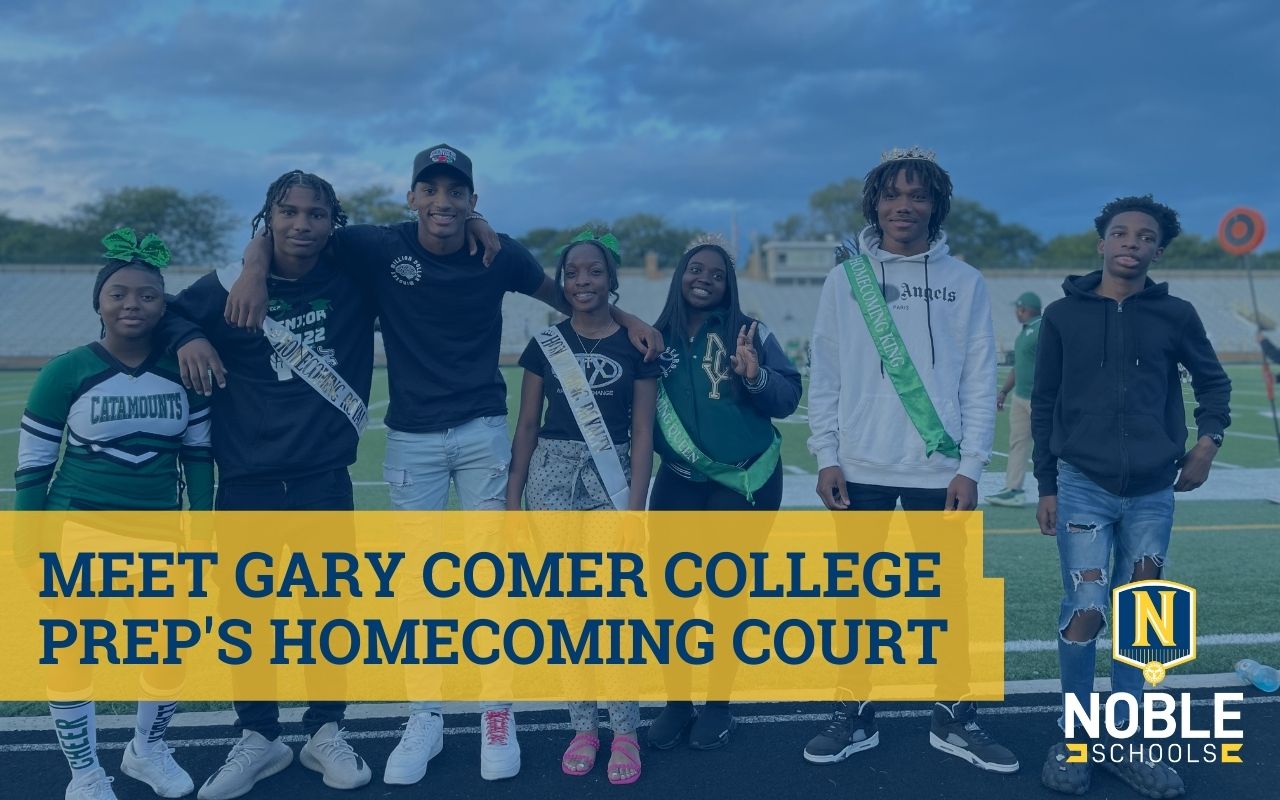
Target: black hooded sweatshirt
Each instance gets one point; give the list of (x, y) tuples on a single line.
[(1108, 397)]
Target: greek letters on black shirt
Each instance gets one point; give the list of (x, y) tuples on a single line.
[(612, 368)]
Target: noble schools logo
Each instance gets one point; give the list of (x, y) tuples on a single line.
[(406, 271), (1153, 628)]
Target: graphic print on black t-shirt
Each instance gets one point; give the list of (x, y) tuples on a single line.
[(612, 365)]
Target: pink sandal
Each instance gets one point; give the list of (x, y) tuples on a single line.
[(625, 755), (582, 748)]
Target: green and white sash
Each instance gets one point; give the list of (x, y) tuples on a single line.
[(311, 367), (586, 412), (897, 361), (745, 482)]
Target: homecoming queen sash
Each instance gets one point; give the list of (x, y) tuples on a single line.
[(586, 412), (745, 482), (897, 361)]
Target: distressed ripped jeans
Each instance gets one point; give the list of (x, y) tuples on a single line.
[(1104, 540), (475, 455)]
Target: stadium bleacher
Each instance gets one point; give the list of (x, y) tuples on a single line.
[(46, 308)]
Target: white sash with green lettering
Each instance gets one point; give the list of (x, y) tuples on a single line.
[(586, 412)]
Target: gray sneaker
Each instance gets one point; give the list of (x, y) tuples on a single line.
[(852, 729), (251, 759), (1063, 776), (328, 753), (1148, 778), (955, 730), (1009, 498)]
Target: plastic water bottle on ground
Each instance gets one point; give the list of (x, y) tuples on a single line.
[(1260, 675)]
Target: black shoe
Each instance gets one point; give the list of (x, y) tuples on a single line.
[(852, 729), (713, 727), (955, 731), (666, 731), (1064, 776)]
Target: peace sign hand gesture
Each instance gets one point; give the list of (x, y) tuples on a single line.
[(745, 361)]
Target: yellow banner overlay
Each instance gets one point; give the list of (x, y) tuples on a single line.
[(498, 606)]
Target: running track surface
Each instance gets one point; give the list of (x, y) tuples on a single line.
[(763, 760)]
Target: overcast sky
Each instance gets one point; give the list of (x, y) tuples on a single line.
[(1041, 110)]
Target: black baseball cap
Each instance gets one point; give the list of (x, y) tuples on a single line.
[(442, 155)]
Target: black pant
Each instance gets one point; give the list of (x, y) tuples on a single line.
[(873, 497), (322, 491), (672, 492)]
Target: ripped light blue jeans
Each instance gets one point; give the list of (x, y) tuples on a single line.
[(1103, 539)]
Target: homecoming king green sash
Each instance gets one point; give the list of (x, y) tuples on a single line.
[(897, 361), (743, 481)]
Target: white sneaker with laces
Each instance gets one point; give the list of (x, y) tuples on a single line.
[(94, 785), (422, 740), (155, 767), (499, 749), (328, 753), (251, 759)]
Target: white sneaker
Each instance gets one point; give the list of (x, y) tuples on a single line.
[(499, 750), (422, 740), (156, 768), (94, 785), (328, 753), (251, 759)]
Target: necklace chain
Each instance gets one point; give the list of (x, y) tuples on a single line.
[(586, 350)]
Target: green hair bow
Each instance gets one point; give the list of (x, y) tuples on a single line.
[(122, 245), (608, 241)]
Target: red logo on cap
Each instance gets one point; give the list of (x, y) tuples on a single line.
[(442, 155)]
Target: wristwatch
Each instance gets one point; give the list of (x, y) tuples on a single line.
[(1216, 438)]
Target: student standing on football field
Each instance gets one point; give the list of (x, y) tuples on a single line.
[(585, 371), (724, 379), (917, 429), (440, 308), (288, 422), (1110, 430), (134, 437), (1017, 392)]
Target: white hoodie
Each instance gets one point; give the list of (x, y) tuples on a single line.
[(858, 421)]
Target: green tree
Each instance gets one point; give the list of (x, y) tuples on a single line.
[(640, 233), (374, 205), (836, 210), (976, 234), (1075, 253), (194, 226), (26, 242)]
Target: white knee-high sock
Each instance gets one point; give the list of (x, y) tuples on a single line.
[(77, 734), (153, 721)]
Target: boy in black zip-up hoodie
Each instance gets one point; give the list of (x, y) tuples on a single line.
[(1109, 431)]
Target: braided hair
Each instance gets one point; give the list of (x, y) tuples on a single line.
[(280, 187), (934, 178)]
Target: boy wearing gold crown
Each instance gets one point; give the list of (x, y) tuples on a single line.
[(906, 415)]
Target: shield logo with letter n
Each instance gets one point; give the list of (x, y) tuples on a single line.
[(1153, 626)]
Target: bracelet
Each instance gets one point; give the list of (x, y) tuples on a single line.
[(473, 215)]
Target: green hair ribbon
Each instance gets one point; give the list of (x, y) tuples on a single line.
[(607, 241), (122, 245)]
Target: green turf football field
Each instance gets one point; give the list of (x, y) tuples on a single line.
[(1226, 549)]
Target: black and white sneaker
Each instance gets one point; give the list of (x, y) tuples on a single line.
[(1064, 776), (955, 731), (852, 729)]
